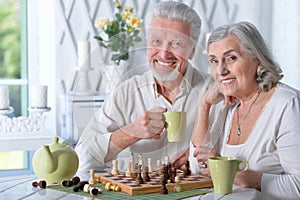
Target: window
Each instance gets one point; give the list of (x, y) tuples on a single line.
[(13, 73)]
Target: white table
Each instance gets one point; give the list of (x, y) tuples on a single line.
[(20, 187)]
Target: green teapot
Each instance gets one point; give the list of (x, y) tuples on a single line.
[(55, 163)]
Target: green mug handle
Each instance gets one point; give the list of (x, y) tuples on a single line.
[(239, 169)]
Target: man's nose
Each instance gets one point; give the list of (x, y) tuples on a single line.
[(165, 50)]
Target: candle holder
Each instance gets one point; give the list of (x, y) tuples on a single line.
[(81, 83), (6, 111)]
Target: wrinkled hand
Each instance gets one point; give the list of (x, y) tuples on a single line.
[(150, 125), (248, 179), (202, 154), (180, 158), (214, 95)]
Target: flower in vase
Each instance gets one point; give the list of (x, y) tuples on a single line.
[(121, 33)]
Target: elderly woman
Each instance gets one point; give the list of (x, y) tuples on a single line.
[(260, 121)]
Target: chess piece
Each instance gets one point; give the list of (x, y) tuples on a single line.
[(141, 160), (89, 189), (66, 183), (187, 171), (92, 180), (163, 189), (146, 177), (41, 184), (172, 174), (80, 186), (139, 179), (177, 187), (75, 180), (115, 170), (158, 164), (128, 172), (110, 187), (167, 159), (150, 165)]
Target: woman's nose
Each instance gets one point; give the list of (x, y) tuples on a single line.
[(223, 69)]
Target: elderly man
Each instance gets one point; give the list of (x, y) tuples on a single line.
[(131, 119)]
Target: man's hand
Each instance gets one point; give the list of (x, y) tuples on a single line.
[(150, 125), (180, 158)]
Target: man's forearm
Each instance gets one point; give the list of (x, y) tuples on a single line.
[(119, 141)]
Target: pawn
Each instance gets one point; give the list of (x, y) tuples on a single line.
[(80, 186), (187, 171), (75, 180), (110, 187), (128, 172), (89, 189), (66, 183), (146, 177), (115, 170), (92, 180), (41, 184), (177, 187)]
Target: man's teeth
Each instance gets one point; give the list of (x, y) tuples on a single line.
[(228, 80), (165, 64)]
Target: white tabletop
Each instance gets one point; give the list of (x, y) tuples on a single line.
[(20, 187)]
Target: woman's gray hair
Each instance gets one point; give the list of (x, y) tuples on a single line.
[(269, 72), (179, 12)]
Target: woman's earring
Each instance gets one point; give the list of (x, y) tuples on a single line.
[(259, 79)]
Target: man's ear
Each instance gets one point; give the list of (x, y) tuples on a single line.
[(192, 53)]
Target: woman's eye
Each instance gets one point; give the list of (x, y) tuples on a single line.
[(213, 61), (230, 59)]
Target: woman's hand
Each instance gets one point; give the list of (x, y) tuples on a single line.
[(214, 95), (248, 179), (202, 154)]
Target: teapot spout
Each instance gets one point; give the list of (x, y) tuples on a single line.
[(50, 161)]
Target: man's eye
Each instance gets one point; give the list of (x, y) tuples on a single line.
[(177, 44), (156, 42)]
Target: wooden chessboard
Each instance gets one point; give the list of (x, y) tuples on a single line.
[(129, 186)]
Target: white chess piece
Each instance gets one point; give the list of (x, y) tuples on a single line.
[(150, 165), (177, 187), (115, 170), (128, 172)]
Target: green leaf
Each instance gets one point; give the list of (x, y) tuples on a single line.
[(118, 17)]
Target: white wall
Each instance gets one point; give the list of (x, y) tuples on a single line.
[(60, 24)]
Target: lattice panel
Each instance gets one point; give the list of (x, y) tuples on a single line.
[(75, 22)]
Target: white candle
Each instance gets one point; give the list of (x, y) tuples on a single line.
[(83, 55), (39, 96), (4, 97)]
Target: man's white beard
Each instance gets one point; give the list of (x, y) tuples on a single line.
[(166, 77)]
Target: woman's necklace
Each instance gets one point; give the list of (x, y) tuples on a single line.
[(238, 114)]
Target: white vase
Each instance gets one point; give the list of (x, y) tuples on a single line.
[(112, 75)]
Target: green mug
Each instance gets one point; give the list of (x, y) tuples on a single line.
[(175, 125), (223, 170)]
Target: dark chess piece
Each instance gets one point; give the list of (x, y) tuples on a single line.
[(173, 174), (139, 179), (41, 184), (163, 181), (146, 177), (187, 171), (75, 180)]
